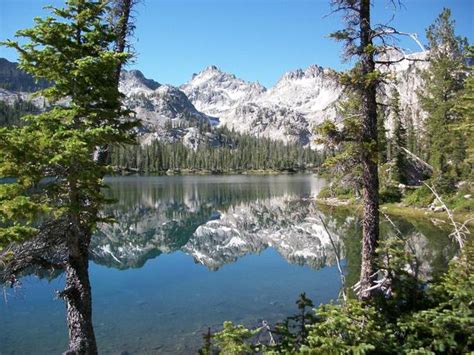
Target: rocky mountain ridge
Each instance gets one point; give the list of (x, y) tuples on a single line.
[(289, 111)]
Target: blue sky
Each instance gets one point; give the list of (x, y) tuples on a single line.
[(258, 40)]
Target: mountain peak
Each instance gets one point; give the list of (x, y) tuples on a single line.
[(212, 68), (133, 81), (312, 71)]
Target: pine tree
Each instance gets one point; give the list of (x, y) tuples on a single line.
[(384, 145), (443, 84), (464, 107), (399, 140), (412, 145), (358, 38), (73, 50)]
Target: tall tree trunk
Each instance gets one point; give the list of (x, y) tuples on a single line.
[(121, 10), (370, 177)]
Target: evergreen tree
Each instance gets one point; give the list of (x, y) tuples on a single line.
[(72, 49), (412, 145), (236, 153), (345, 163), (399, 140), (384, 145), (358, 37), (443, 84), (464, 107), (10, 114)]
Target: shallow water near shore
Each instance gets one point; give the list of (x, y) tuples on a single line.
[(189, 252)]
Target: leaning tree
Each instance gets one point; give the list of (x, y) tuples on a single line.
[(53, 196)]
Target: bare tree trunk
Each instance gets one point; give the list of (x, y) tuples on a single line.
[(121, 10), (370, 178)]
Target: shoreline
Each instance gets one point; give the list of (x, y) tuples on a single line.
[(395, 209), (200, 172)]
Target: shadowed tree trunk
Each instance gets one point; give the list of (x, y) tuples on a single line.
[(78, 298), (370, 178), (77, 292), (371, 46)]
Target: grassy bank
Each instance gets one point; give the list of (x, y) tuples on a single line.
[(395, 209)]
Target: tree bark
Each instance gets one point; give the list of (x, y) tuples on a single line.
[(370, 178), (78, 297), (77, 292)]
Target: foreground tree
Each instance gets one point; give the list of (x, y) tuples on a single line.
[(75, 50), (363, 79)]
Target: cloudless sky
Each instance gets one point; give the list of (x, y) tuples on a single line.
[(258, 40)]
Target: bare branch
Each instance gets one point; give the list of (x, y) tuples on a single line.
[(338, 261), (384, 30), (459, 232)]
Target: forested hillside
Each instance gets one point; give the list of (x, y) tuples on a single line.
[(235, 153)]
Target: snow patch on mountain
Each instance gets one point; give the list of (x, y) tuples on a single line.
[(289, 111), (215, 92)]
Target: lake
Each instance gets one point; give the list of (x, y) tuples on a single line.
[(189, 252)]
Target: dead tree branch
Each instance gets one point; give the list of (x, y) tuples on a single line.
[(460, 230), (338, 261)]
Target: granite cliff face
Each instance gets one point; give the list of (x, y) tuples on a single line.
[(289, 111)]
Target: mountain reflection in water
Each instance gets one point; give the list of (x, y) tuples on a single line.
[(218, 219), (186, 253)]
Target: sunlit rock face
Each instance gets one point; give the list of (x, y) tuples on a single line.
[(165, 111), (288, 111), (300, 100), (216, 92), (405, 77)]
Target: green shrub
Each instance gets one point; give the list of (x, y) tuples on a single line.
[(390, 194), (352, 328), (448, 327), (234, 339), (420, 197), (444, 184), (326, 192), (435, 319), (341, 192), (344, 192), (458, 203)]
